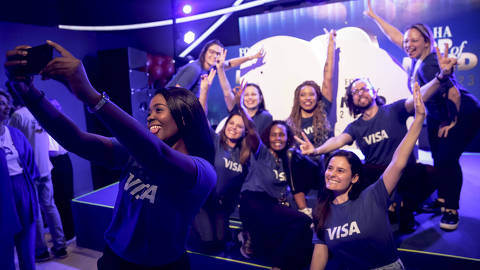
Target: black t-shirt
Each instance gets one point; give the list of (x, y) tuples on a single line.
[(437, 103), (262, 120), (307, 124), (378, 137)]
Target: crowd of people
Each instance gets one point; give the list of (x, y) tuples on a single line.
[(181, 180)]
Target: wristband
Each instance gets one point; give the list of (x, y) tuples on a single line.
[(105, 98), (307, 211), (442, 80)]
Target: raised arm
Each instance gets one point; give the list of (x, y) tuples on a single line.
[(446, 65), (319, 257), (205, 83), (224, 83), (327, 85), (235, 62), (392, 33), (147, 149), (330, 145), (90, 146), (400, 158)]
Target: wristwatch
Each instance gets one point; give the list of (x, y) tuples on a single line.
[(105, 98)]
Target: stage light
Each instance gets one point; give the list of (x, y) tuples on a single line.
[(223, 11), (189, 37), (187, 9)]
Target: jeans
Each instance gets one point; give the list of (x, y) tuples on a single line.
[(48, 207), (23, 240)]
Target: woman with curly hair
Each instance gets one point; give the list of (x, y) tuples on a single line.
[(308, 119)]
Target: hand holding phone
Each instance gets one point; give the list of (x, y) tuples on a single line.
[(37, 58)]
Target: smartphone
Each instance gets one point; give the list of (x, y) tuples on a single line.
[(37, 58)]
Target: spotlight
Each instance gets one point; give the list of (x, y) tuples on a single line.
[(189, 37), (187, 9)]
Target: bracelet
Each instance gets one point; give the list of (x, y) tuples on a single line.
[(442, 80), (105, 98)]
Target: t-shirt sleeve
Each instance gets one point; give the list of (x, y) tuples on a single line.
[(378, 192), (216, 139), (261, 153), (206, 176), (120, 155), (400, 110), (262, 121), (429, 69), (16, 121), (350, 130), (186, 77), (318, 240)]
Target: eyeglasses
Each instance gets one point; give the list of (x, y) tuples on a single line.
[(359, 90), (211, 51)]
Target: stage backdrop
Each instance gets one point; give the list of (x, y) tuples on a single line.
[(296, 44)]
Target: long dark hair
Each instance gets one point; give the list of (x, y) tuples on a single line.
[(191, 121), (354, 109), (261, 102), (322, 209), (205, 48), (245, 148), (321, 126)]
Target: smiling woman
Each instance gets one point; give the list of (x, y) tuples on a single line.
[(18, 200), (176, 155), (278, 231), (453, 112), (346, 224), (189, 75), (233, 148)]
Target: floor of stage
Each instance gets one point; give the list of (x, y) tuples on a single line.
[(427, 248)]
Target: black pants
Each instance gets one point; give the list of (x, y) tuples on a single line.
[(416, 184), (446, 152), (62, 180), (279, 233), (110, 260)]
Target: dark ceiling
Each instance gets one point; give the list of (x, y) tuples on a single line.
[(121, 12), (114, 12)]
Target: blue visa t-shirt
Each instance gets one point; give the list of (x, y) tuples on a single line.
[(266, 175), (230, 172), (152, 214), (358, 232)]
